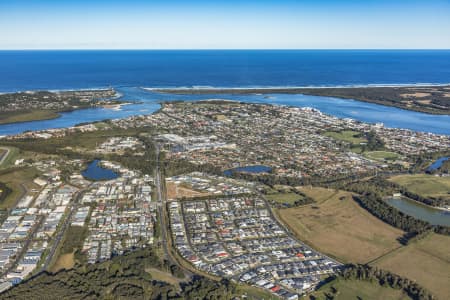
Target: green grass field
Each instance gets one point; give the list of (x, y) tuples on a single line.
[(17, 181), (425, 185), (349, 136), (357, 289), (10, 159), (101, 125), (33, 115), (381, 155), (285, 197)]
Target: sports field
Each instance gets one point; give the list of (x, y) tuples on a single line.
[(353, 137), (381, 155)]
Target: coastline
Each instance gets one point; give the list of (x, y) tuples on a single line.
[(324, 104), (288, 87), (23, 115), (387, 95)]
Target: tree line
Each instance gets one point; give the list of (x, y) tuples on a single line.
[(122, 277), (385, 278)]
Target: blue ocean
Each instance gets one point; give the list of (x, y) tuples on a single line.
[(129, 71), (31, 70)]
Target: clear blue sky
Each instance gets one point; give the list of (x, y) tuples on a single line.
[(191, 24)]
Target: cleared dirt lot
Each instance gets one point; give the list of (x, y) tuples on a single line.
[(65, 261), (176, 191), (339, 227)]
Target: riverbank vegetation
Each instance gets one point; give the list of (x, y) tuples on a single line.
[(370, 195), (429, 99), (27, 115), (45, 105), (429, 189)]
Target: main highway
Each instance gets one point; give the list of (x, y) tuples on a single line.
[(165, 238)]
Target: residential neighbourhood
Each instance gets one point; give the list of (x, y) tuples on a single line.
[(118, 215), (221, 226), (291, 141), (237, 237)]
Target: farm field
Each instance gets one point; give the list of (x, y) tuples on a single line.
[(339, 227), (425, 185), (426, 261)]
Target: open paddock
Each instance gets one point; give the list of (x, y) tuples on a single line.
[(336, 225)]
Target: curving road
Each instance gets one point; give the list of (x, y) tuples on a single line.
[(4, 155)]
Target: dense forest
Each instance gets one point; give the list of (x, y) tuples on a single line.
[(374, 142), (123, 277), (181, 166), (66, 147)]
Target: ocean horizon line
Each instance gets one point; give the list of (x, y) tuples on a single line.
[(222, 49), (253, 87)]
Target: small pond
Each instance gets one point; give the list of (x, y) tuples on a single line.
[(95, 172), (248, 169), (437, 164)]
